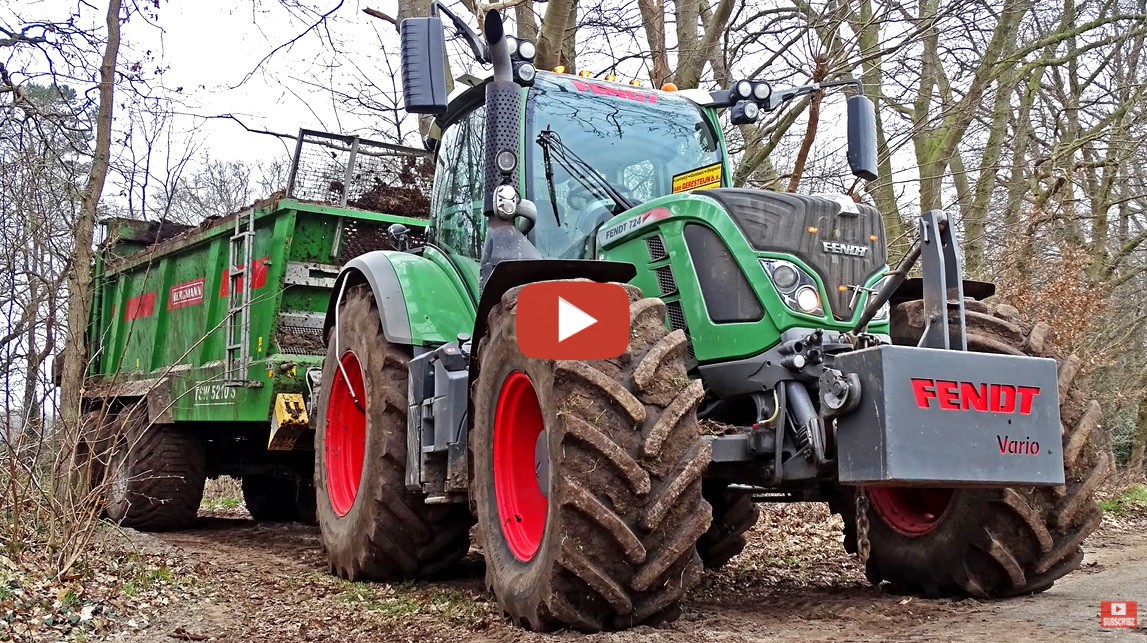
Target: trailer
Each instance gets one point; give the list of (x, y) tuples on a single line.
[(212, 334)]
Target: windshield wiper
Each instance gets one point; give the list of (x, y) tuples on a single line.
[(554, 150)]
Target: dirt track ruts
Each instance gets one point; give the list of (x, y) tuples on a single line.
[(264, 581)]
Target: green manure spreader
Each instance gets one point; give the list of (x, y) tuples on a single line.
[(767, 353), (207, 343)]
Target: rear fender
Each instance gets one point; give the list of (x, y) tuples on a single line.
[(419, 303)]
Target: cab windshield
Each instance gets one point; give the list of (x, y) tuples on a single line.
[(635, 139)]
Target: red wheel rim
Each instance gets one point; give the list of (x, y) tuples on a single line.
[(345, 435), (518, 439), (909, 511)]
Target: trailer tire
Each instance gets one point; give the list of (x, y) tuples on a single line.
[(155, 475), (997, 542), (272, 498), (372, 526), (734, 514), (605, 537)]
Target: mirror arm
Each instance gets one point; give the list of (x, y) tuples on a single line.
[(481, 52)]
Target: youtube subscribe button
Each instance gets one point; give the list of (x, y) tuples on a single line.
[(579, 320)]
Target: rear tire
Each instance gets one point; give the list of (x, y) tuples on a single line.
[(605, 537), (734, 514), (155, 476), (991, 542), (372, 526)]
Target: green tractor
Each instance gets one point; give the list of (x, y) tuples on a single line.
[(772, 356)]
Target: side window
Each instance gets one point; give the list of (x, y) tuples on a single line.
[(457, 224)]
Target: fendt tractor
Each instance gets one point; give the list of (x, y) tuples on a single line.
[(773, 356)]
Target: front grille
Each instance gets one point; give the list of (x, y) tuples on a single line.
[(677, 322), (656, 248), (665, 280), (676, 315)]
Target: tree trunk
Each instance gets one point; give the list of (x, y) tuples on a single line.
[(653, 20), (524, 17), (80, 279), (569, 53), (1139, 439), (551, 36)]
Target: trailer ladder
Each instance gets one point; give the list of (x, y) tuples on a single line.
[(240, 274)]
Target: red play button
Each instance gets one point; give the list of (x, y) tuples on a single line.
[(573, 320)]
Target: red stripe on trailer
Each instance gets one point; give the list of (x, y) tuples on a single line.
[(258, 277), (139, 307), (188, 293)]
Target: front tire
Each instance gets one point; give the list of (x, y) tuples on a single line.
[(372, 526), (587, 477), (989, 542)]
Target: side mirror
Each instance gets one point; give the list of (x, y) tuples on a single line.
[(862, 138), (423, 65), (398, 236)]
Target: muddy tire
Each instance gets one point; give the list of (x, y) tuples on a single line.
[(372, 526), (734, 514), (604, 537), (992, 542), (155, 475), (271, 498)]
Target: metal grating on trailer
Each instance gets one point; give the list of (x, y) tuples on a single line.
[(349, 171), (357, 237)]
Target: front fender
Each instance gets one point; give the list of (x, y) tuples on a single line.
[(418, 300)]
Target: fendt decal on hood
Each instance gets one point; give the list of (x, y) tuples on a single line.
[(949, 395), (836, 248), (619, 230)]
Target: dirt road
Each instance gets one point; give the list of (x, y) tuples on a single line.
[(258, 581)]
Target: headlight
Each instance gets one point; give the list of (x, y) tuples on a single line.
[(808, 301), (796, 287)]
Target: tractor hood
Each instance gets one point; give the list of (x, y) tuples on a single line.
[(842, 241)]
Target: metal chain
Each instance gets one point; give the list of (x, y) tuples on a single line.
[(863, 547)]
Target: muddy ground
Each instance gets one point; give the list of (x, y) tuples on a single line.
[(239, 580)]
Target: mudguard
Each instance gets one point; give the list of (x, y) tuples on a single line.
[(419, 301)]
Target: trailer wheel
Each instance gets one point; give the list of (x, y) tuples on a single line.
[(372, 526), (734, 514), (990, 542), (155, 475), (587, 477), (272, 498)]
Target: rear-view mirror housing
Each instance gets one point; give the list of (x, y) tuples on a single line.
[(423, 65), (862, 138)]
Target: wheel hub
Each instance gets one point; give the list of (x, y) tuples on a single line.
[(910, 511), (345, 434), (521, 466)]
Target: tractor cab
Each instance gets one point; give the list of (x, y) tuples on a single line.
[(591, 150)]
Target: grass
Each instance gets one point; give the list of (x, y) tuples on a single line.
[(131, 588), (1134, 498), (221, 503)]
